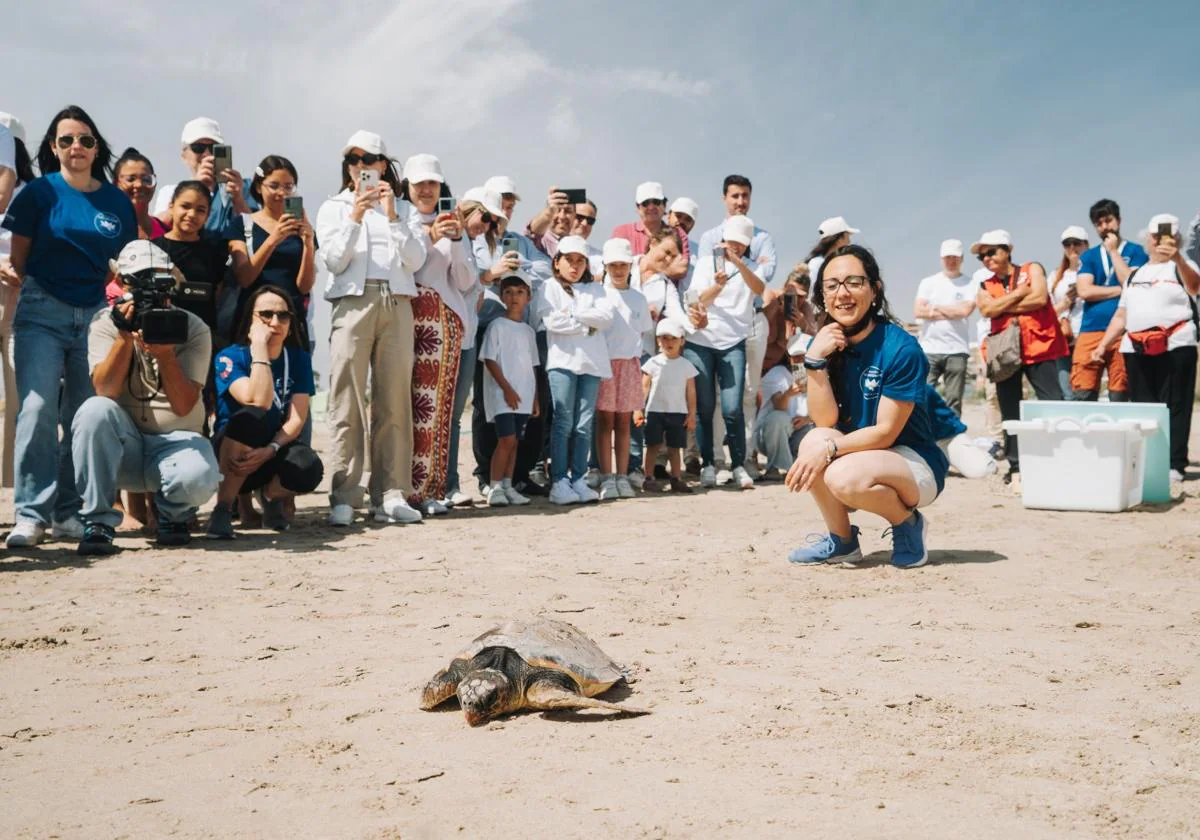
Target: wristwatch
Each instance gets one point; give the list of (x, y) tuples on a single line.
[(831, 451), (275, 446)]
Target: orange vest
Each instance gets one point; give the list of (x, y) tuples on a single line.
[(1042, 339)]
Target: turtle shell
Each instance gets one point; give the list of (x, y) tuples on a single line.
[(547, 643)]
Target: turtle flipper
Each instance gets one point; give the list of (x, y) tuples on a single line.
[(443, 685), (547, 694)]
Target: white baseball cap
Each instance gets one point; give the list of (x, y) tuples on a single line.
[(572, 245), (138, 256), (992, 237), (368, 141), (199, 129), (14, 126), (489, 199), (952, 248), (669, 326), (1073, 232), (738, 229), (835, 226), (687, 207), (1164, 219), (423, 167), (649, 190), (501, 184), (617, 251), (798, 344)]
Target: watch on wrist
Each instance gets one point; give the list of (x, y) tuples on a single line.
[(811, 363), (275, 446), (831, 451)]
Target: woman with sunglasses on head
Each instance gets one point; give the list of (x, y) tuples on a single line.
[(66, 226), (373, 243), (22, 175), (264, 386), (874, 448), (1067, 303)]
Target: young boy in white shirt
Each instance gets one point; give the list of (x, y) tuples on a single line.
[(669, 386), (509, 354)]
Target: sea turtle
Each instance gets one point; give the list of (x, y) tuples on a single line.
[(538, 664)]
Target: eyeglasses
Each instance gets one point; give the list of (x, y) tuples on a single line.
[(66, 141), (134, 180), (585, 220), (269, 315), (1074, 243), (365, 158), (201, 148), (652, 202), (853, 283), (286, 189)]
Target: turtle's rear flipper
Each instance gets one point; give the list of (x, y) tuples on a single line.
[(443, 685), (546, 695)]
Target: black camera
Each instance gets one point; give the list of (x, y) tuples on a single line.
[(152, 292)]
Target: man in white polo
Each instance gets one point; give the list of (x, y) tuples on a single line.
[(944, 303)]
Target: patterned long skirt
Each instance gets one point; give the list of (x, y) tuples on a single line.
[(437, 339)]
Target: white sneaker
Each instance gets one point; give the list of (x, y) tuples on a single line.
[(68, 529), (593, 479), (397, 510), (624, 488), (25, 535), (458, 499), (637, 478), (341, 515), (562, 493), (497, 497), (742, 478), (514, 497), (752, 470), (432, 507), (724, 476), (1176, 476), (608, 489), (586, 494), (708, 476)]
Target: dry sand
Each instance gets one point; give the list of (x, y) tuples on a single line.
[(1039, 679)]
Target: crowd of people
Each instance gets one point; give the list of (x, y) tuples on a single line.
[(160, 345)]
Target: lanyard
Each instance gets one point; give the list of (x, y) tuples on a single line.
[(1106, 263), (278, 400)]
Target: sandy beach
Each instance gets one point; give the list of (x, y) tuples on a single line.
[(1038, 679)]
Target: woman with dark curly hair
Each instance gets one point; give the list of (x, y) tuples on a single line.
[(874, 448)]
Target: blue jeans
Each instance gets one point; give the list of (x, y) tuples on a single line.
[(466, 376), (53, 380), (574, 399), (112, 454), (727, 369)]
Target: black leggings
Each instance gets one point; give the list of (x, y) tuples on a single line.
[(1167, 378), (299, 468), (1043, 376)]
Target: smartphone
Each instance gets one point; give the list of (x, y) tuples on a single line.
[(575, 196), (1164, 231), (293, 205), (508, 242), (718, 255), (691, 297), (368, 180), (447, 204), (222, 159)]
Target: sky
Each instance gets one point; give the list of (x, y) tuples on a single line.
[(917, 121)]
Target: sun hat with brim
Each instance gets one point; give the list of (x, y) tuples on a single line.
[(997, 238)]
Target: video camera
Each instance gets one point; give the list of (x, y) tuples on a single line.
[(152, 291)]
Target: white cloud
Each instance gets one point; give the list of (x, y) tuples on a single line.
[(562, 125), (652, 80)]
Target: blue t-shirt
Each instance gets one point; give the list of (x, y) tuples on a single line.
[(233, 363), (73, 236), (281, 270), (1097, 314), (946, 424), (890, 363)]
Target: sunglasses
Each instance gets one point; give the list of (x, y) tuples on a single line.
[(268, 315), (366, 158), (652, 202), (66, 141), (988, 254), (585, 220), (1074, 243), (201, 148), (853, 283)]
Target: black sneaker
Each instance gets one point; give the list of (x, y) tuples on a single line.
[(274, 514), (172, 533), (220, 524), (97, 540), (531, 488), (660, 472)]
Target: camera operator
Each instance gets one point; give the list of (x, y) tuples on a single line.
[(141, 432)]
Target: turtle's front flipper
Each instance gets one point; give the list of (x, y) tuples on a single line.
[(443, 685), (552, 694)]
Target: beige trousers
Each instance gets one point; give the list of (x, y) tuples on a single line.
[(373, 330)]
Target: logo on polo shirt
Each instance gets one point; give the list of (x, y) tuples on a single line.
[(870, 381), (108, 224), (225, 364)]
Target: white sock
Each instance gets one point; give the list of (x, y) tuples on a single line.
[(506, 484)]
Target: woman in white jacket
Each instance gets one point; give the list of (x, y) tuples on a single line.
[(372, 243), (575, 311), (440, 318)]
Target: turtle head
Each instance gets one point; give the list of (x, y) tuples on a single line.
[(484, 694)]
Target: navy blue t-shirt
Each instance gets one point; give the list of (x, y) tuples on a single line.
[(233, 363), (73, 235), (890, 363), (1097, 314), (946, 424)]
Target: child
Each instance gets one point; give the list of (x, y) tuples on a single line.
[(782, 420), (620, 396), (669, 386), (575, 312), (509, 354)]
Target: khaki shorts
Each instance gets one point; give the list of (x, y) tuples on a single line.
[(921, 473)]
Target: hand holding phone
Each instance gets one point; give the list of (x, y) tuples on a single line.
[(368, 179), (718, 255), (222, 159), (293, 205), (574, 195)]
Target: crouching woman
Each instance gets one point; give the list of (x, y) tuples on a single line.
[(874, 447), (264, 383)]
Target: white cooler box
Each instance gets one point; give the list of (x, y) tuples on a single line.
[(1096, 463)]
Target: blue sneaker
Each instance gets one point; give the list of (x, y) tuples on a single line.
[(828, 548), (908, 542)]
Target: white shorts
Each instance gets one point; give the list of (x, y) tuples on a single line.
[(921, 473)]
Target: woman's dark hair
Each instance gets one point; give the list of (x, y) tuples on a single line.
[(824, 246), (192, 186), (389, 174), (1104, 207), (242, 336), (24, 164), (48, 161), (586, 277), (403, 192), (269, 165), (131, 155)]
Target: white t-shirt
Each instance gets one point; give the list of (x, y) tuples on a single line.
[(731, 314), (512, 345), (946, 336), (1153, 297), (668, 389), (632, 321), (1059, 293), (575, 326), (774, 382)]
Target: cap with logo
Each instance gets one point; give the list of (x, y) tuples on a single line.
[(423, 167), (617, 251), (14, 126), (201, 128), (648, 191), (503, 185), (952, 248), (687, 207), (490, 200), (996, 237), (738, 229), (669, 326), (138, 256), (368, 141), (835, 226), (1074, 232)]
